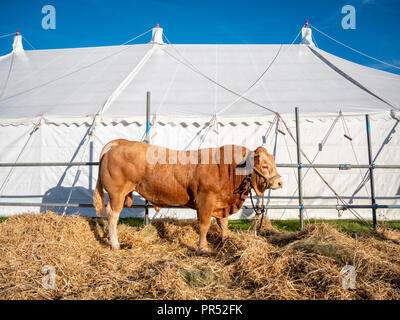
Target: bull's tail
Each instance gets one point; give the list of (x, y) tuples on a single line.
[(109, 145), (98, 198), (98, 195)]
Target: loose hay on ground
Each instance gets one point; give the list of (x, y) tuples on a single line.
[(160, 261)]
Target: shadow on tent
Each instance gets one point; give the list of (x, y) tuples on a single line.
[(80, 195), (60, 194), (77, 194)]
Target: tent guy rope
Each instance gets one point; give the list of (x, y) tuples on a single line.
[(7, 35), (355, 50), (28, 43)]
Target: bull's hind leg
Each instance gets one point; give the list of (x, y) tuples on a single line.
[(223, 224), (114, 207)]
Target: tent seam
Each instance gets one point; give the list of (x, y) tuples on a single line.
[(349, 78)]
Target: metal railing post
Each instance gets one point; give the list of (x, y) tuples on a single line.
[(90, 167), (299, 170), (146, 208), (371, 171)]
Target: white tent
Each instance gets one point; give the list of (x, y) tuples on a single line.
[(63, 105)]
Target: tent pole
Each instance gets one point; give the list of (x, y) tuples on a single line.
[(146, 209), (299, 170), (91, 167), (371, 170)]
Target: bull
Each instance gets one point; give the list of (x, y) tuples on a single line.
[(214, 181)]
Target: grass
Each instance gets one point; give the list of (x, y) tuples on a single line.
[(131, 222), (197, 277), (349, 226)]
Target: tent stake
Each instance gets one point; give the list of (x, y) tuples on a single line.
[(299, 170), (146, 208), (371, 171)]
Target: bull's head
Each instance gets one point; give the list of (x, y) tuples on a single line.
[(269, 178)]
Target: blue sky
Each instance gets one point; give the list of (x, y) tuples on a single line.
[(100, 23)]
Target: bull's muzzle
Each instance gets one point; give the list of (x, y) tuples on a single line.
[(276, 183)]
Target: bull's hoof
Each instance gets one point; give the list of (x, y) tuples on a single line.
[(115, 247), (204, 252), (101, 213)]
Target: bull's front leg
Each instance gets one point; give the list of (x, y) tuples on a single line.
[(205, 206), (204, 225)]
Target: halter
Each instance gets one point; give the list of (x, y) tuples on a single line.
[(267, 180), (259, 210)]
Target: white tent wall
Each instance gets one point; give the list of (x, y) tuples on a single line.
[(61, 143), (194, 104)]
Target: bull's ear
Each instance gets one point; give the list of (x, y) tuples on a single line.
[(260, 150), (257, 153), (256, 158)]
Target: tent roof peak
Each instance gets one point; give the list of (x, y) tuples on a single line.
[(306, 35), (157, 35), (17, 44)]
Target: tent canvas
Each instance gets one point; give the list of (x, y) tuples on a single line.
[(65, 94)]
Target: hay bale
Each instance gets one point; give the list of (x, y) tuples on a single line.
[(160, 261)]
